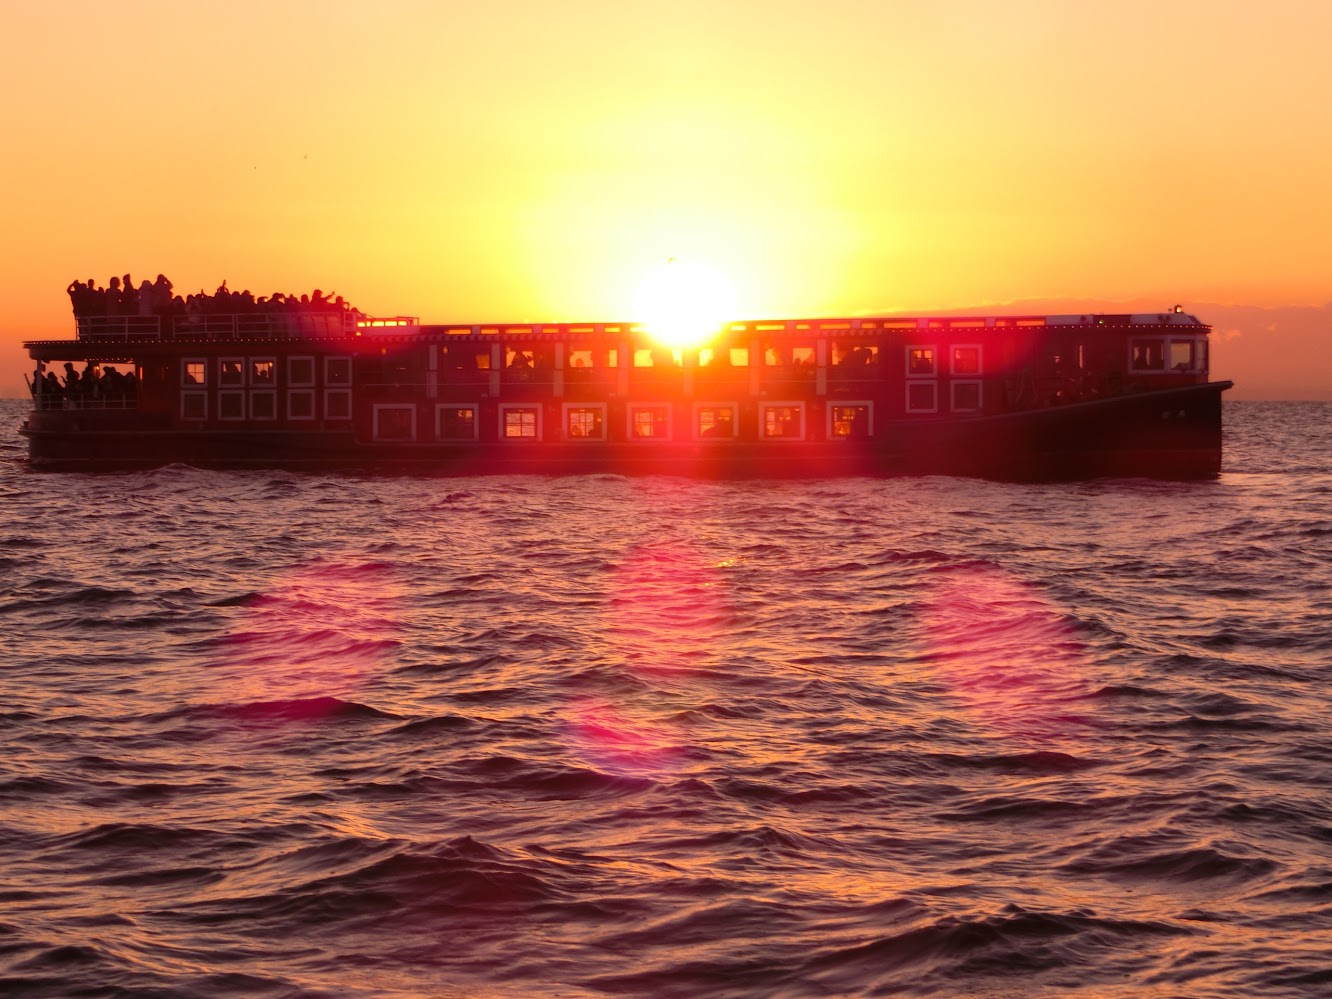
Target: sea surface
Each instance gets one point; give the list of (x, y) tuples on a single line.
[(278, 735)]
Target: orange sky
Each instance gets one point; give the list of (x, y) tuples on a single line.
[(534, 160)]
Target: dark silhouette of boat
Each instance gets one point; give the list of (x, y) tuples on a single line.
[(1005, 396)]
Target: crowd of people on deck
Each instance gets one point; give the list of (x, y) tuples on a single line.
[(157, 298), (102, 383)]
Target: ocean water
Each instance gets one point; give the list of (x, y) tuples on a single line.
[(277, 735)]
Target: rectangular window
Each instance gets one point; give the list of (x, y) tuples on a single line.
[(455, 423), (395, 423), (920, 362), (715, 421), (643, 357), (852, 354), (263, 405), (1147, 355), (1182, 355), (650, 422), (231, 371), (231, 405), (337, 404), (261, 370), (581, 359), (921, 397), (300, 404), (194, 371), (301, 372), (783, 421), (966, 397), (585, 422), (849, 420), (194, 405), (520, 423), (519, 359), (967, 360), (739, 357), (337, 371)]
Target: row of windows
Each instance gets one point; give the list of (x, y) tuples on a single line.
[(1159, 354), (651, 422), (261, 404), (261, 371), (921, 359)]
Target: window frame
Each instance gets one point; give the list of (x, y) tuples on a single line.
[(832, 420), (635, 407), (305, 393), (241, 381), (340, 393), (329, 380), (796, 404), (292, 381), (508, 407), (569, 407), (382, 407), (933, 348), (185, 363), (265, 393), (734, 407), (980, 361), (916, 383), (234, 395), (440, 409), (957, 383)]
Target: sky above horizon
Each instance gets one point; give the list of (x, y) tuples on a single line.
[(527, 160)]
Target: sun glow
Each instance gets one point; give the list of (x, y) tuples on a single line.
[(684, 303)]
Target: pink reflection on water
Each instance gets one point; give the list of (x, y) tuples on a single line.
[(1005, 651), (612, 739), (311, 639)]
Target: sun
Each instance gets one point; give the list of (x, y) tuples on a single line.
[(683, 303)]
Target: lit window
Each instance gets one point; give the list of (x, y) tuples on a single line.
[(456, 423), (643, 357), (851, 354), (649, 422), (783, 421), (739, 357), (584, 422), (194, 373), (715, 421), (849, 420), (519, 360), (231, 371), (966, 360), (519, 422), (261, 370), (920, 361), (582, 359)]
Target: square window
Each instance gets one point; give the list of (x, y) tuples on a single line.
[(395, 423), (300, 404), (301, 371), (920, 361), (783, 421), (584, 423), (715, 421), (261, 370), (337, 404), (263, 405), (231, 371), (849, 420), (194, 372), (337, 370), (194, 405), (520, 423), (921, 397), (456, 423), (231, 405), (967, 360), (966, 397), (649, 422)]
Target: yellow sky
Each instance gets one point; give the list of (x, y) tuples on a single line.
[(534, 160)]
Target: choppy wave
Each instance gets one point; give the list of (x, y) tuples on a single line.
[(278, 735)]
